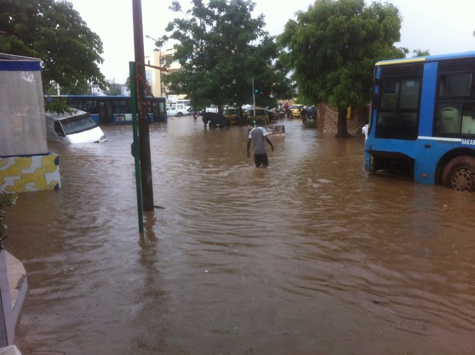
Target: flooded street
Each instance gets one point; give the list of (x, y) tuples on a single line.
[(309, 256)]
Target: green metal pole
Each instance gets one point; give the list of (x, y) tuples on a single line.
[(135, 145)]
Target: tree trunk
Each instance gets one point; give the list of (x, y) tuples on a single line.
[(341, 126)]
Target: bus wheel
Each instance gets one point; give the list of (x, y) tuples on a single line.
[(459, 173)]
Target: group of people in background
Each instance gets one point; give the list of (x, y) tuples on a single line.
[(305, 112), (308, 113)]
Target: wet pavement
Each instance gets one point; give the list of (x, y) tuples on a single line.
[(309, 256)]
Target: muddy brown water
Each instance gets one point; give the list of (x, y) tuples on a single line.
[(310, 256)]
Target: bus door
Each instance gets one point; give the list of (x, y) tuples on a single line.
[(153, 110), (399, 99), (105, 112), (158, 110)]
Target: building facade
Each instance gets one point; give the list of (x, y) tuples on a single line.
[(155, 72)]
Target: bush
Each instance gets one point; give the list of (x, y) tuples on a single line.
[(6, 200)]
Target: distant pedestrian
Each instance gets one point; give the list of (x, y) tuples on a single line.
[(303, 114), (287, 110), (290, 114), (313, 112), (258, 137)]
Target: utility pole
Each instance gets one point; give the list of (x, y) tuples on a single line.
[(143, 119)]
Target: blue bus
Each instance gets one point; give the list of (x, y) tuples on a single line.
[(115, 110), (422, 121)]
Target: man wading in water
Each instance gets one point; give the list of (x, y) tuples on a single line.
[(258, 136)]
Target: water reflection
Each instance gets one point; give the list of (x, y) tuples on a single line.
[(308, 256)]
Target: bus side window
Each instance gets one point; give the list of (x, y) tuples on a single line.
[(468, 125), (449, 120), (468, 119), (91, 107), (455, 85)]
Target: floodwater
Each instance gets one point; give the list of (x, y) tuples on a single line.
[(309, 256)]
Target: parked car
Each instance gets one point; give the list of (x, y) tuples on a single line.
[(171, 111), (212, 108), (178, 111), (258, 115), (232, 114), (296, 110), (272, 114)]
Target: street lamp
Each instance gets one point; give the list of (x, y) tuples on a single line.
[(158, 42)]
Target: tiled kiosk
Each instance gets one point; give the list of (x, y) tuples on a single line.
[(25, 165)]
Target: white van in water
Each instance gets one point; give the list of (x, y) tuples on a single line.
[(74, 127)]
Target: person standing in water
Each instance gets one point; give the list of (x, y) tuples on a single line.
[(258, 137)]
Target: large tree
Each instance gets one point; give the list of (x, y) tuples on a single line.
[(113, 89), (55, 33), (221, 48), (332, 49)]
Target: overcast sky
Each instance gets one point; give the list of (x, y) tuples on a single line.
[(440, 26)]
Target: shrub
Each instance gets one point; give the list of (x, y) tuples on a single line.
[(6, 200)]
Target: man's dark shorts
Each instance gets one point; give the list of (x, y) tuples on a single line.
[(261, 159)]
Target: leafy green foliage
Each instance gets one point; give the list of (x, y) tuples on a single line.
[(220, 49), (332, 49), (6, 200), (54, 32), (58, 105), (420, 53), (113, 89)]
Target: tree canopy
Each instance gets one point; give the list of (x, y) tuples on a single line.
[(113, 89), (332, 49), (55, 33), (221, 48), (420, 53)]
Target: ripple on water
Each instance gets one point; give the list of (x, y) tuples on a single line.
[(308, 255)]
